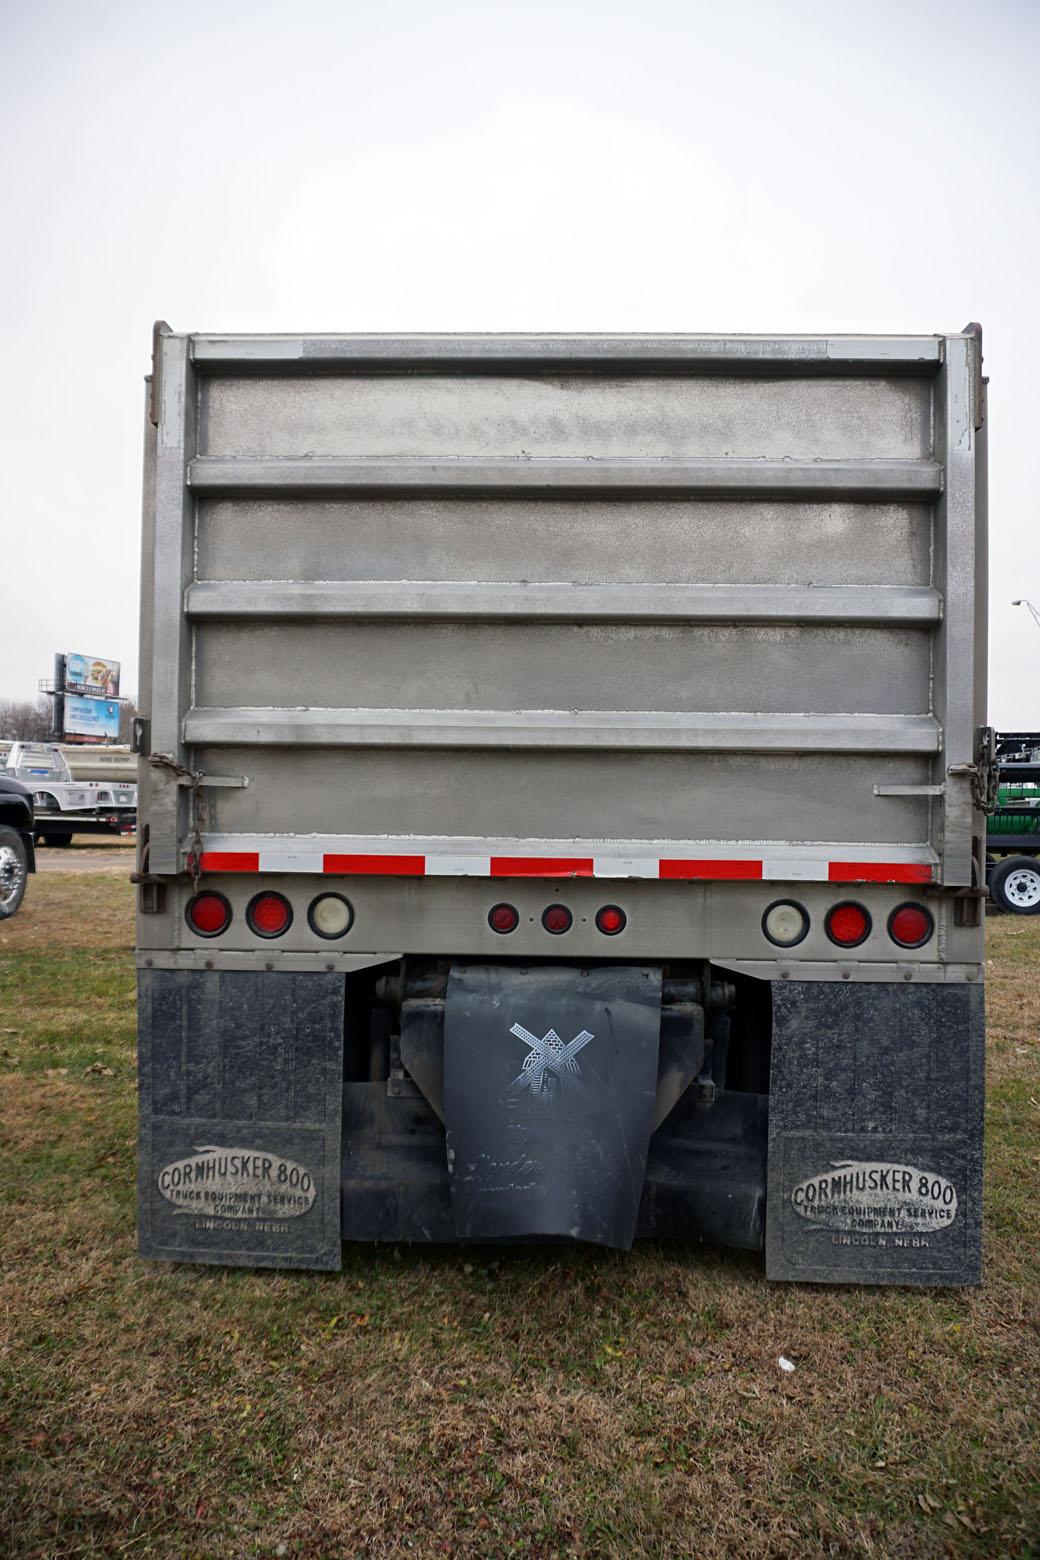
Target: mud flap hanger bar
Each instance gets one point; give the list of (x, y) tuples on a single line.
[(200, 778)]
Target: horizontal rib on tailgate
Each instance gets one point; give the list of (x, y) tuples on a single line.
[(614, 730)]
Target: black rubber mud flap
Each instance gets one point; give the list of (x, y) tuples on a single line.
[(241, 1109), (550, 1081), (875, 1134)]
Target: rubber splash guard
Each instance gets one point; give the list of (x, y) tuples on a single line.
[(550, 1078)]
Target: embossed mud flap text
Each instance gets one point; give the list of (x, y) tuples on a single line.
[(550, 1079)]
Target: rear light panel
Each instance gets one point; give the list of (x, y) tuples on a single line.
[(785, 923)]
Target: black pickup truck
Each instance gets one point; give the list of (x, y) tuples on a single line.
[(17, 856)]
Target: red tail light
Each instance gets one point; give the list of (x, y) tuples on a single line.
[(503, 918), (611, 920), (269, 915), (910, 925), (557, 919), (848, 925), (208, 914)]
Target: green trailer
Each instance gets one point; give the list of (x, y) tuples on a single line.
[(1013, 830)]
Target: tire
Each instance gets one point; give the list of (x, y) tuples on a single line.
[(60, 839), (12, 871), (1015, 885)]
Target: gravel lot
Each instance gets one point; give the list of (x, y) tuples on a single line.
[(88, 853)]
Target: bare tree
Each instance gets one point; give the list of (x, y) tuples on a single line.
[(127, 712), (25, 720)]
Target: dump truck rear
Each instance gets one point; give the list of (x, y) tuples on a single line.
[(562, 786)]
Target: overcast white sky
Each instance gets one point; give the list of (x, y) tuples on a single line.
[(800, 165)]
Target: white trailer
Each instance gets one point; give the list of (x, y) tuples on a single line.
[(64, 806)]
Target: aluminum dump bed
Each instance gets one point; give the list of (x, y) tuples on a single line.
[(670, 606)]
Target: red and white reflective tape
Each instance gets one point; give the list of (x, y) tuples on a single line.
[(694, 862)]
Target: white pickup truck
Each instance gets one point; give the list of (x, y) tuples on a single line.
[(64, 806)]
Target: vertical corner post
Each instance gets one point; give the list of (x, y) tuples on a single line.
[(172, 566), (959, 661)]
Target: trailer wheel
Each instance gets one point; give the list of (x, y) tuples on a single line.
[(1015, 885), (12, 872)]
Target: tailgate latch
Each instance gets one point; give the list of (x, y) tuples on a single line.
[(983, 774)]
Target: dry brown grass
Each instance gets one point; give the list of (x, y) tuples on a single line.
[(468, 1403), (81, 910)]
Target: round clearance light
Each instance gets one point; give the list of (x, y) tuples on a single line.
[(556, 919), (848, 925), (269, 915), (503, 918), (208, 914), (910, 926), (330, 915), (785, 923), (611, 920)]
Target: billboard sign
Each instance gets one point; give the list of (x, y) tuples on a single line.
[(98, 718), (91, 676)]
